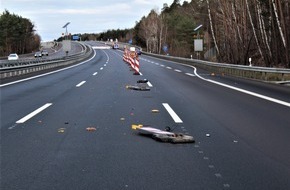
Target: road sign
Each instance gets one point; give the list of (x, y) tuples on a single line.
[(165, 48), (75, 37), (66, 45), (198, 45)]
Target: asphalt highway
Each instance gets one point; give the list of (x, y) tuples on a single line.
[(241, 128)]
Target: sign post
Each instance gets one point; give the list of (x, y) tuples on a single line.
[(198, 43)]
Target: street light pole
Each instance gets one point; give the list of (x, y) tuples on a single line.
[(66, 42), (65, 26)]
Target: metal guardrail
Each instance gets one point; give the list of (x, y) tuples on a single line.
[(25, 66), (278, 75), (28, 61)]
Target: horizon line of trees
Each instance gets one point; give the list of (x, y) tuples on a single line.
[(17, 35), (232, 31)]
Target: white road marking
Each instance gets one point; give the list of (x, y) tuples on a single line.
[(81, 83), (168, 68), (162, 65), (101, 47), (32, 114), (189, 74), (95, 73), (172, 113), (179, 71), (156, 63), (108, 58), (149, 84), (235, 88), (101, 68), (105, 65), (244, 91), (140, 74)]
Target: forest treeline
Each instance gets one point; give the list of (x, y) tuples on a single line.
[(17, 35), (232, 31)]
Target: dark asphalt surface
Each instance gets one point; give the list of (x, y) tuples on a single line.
[(242, 141)]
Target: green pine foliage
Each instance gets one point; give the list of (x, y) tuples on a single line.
[(17, 35)]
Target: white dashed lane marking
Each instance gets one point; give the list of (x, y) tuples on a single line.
[(174, 116), (81, 83), (189, 74), (32, 114), (149, 84)]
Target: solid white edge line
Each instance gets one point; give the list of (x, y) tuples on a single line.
[(235, 88), (37, 111), (172, 113), (42, 75), (108, 58), (244, 91), (81, 83)]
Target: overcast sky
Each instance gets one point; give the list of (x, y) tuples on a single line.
[(85, 16)]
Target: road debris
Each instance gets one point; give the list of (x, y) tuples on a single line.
[(142, 81), (138, 87), (155, 111), (163, 136), (91, 129), (61, 130)]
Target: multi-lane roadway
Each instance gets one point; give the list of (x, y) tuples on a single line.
[(241, 127)]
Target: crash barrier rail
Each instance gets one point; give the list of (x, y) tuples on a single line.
[(16, 68), (278, 75)]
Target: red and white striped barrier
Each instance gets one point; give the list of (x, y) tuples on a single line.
[(137, 67), (131, 58)]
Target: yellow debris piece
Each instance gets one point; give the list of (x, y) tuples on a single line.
[(136, 126)]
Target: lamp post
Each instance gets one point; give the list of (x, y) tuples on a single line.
[(65, 26), (66, 42)]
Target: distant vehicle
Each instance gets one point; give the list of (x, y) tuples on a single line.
[(38, 54), (138, 51), (44, 52), (115, 46), (13, 56)]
